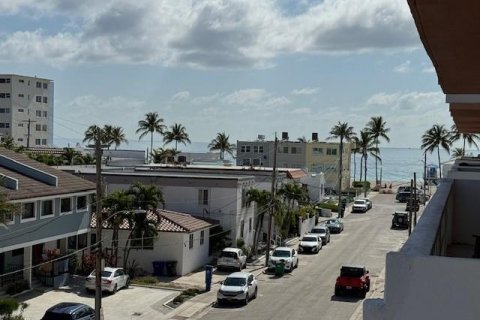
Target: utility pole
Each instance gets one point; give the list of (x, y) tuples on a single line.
[(99, 222), (28, 131), (415, 200), (410, 208), (425, 173), (272, 207)]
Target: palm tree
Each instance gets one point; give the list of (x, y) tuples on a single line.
[(458, 153), (436, 137), (91, 133), (293, 195), (302, 139), (262, 199), (178, 134), (355, 150), (221, 143), (367, 146), (117, 137), (69, 155), (147, 197), (376, 127), (164, 155), (466, 137), (151, 124), (344, 132)]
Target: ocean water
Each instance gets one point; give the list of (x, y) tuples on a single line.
[(398, 164)]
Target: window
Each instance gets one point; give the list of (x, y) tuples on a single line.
[(285, 149), (242, 149), (82, 241), (317, 150), (203, 197), (45, 99), (45, 114), (5, 95), (44, 127), (44, 142), (39, 84), (242, 226), (202, 237), (294, 150), (245, 149), (28, 210), (246, 162), (260, 149), (332, 152), (255, 149), (38, 113), (7, 125), (47, 208), (38, 127), (20, 110), (190, 241), (72, 243), (45, 85), (20, 139), (17, 252), (82, 203), (4, 80), (20, 95), (38, 98), (256, 162), (21, 80), (249, 224), (66, 205)]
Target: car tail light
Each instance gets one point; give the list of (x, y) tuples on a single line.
[(107, 281)]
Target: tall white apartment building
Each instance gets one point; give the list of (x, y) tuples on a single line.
[(26, 110)]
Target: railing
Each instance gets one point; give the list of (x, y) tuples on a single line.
[(48, 272), (11, 274)]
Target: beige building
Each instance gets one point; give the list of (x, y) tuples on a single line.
[(313, 156), (26, 110)]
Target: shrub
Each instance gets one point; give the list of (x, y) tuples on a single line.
[(362, 184), (146, 280), (17, 287), (328, 205), (179, 299), (240, 242), (191, 292)]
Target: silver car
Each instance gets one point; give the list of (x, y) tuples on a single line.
[(238, 287)]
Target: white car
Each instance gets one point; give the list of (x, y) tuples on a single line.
[(113, 279), (238, 287), (360, 205), (369, 203), (232, 258), (310, 243), (288, 255)]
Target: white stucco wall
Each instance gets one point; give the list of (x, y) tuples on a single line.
[(196, 257)]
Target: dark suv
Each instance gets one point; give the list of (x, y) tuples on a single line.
[(400, 220), (69, 311)]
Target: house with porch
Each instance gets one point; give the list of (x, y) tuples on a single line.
[(51, 216)]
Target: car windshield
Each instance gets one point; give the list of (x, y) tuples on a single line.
[(281, 253), (105, 274), (351, 272), (318, 230), (309, 239), (228, 254), (332, 222), (235, 282), (359, 202)]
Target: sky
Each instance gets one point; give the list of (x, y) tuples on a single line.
[(245, 67)]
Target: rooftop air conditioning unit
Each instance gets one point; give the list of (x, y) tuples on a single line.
[(284, 135), (314, 136), (261, 137)]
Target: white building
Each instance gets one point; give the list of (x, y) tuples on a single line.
[(26, 110)]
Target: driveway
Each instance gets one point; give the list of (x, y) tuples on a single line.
[(132, 303)]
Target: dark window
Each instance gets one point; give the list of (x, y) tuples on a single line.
[(38, 98), (39, 84), (82, 241), (82, 203), (66, 205), (242, 226), (17, 252), (203, 197), (28, 210), (45, 100), (190, 241), (47, 207), (45, 85), (202, 237), (72, 242), (250, 224), (285, 149)]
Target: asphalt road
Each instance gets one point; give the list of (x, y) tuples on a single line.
[(307, 292)]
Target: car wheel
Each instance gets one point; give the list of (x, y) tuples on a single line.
[(127, 284), (115, 289), (337, 291), (255, 293), (219, 302), (367, 288), (90, 291), (296, 264), (363, 294), (245, 302)]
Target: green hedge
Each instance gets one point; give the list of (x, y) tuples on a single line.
[(362, 184), (328, 205)]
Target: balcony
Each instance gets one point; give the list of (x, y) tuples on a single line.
[(433, 276)]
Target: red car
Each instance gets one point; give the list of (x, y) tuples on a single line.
[(353, 279)]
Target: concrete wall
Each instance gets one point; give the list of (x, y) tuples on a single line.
[(196, 257), (306, 225), (466, 217)]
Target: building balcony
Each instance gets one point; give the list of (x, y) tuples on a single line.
[(434, 274)]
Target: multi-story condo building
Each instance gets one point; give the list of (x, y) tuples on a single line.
[(313, 156), (26, 110)]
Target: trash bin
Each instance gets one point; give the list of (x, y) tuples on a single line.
[(171, 268), (208, 277), (280, 268), (158, 268)]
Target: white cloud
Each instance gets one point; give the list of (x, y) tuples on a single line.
[(180, 96), (305, 91), (203, 34), (404, 67), (428, 70)]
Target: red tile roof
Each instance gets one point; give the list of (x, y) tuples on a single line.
[(170, 221), (296, 174)]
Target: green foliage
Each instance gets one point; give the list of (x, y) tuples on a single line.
[(240, 242), (362, 185), (8, 306), (72, 261), (329, 205), (218, 239), (146, 280)]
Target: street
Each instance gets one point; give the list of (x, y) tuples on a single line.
[(307, 292)]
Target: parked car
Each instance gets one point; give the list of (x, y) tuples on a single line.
[(369, 203), (288, 255), (323, 232), (360, 205), (113, 279), (405, 196), (69, 311), (232, 258), (400, 220), (334, 225), (412, 206), (310, 243), (353, 279), (238, 287)]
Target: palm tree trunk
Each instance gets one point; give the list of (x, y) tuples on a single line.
[(365, 186), (258, 229), (340, 213), (354, 166), (361, 168), (439, 163), (151, 146), (376, 166)]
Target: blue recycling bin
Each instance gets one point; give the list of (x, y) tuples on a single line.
[(158, 268), (208, 277)]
